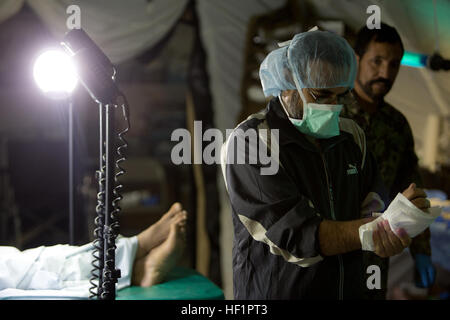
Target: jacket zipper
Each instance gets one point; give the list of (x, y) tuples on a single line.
[(330, 196)]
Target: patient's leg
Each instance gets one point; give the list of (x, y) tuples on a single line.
[(153, 268), (157, 232)]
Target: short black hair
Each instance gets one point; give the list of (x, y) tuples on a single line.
[(386, 33)]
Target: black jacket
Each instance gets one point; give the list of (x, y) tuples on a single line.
[(276, 253)]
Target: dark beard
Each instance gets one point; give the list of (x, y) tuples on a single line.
[(367, 88)]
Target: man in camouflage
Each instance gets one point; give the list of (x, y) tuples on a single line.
[(388, 135)]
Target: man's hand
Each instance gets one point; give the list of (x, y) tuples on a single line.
[(387, 243), (417, 196)]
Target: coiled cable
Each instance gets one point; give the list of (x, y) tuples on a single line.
[(110, 275), (98, 243)]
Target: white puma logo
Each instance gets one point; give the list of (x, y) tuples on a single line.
[(351, 169)]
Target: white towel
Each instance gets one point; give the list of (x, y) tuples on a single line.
[(401, 213)]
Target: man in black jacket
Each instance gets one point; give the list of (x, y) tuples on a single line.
[(296, 229)]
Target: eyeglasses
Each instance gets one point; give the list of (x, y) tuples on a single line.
[(346, 98)]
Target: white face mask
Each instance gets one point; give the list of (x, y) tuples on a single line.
[(319, 120)]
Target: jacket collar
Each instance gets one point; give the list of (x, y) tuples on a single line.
[(277, 119)]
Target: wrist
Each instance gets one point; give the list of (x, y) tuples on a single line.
[(336, 237)]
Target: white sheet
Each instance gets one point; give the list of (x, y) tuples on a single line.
[(57, 272)]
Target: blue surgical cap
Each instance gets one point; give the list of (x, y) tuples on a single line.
[(314, 59)]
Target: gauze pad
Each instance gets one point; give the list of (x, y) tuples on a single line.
[(401, 213)]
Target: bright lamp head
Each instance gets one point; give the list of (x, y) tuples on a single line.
[(55, 74)]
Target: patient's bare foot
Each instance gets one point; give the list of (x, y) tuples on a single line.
[(153, 268), (157, 232)]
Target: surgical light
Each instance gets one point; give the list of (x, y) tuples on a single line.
[(94, 69), (97, 75), (55, 74)]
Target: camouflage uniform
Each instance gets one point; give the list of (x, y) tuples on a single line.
[(390, 139)]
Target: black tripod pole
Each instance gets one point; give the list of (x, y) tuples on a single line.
[(109, 273), (101, 207), (71, 174)]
